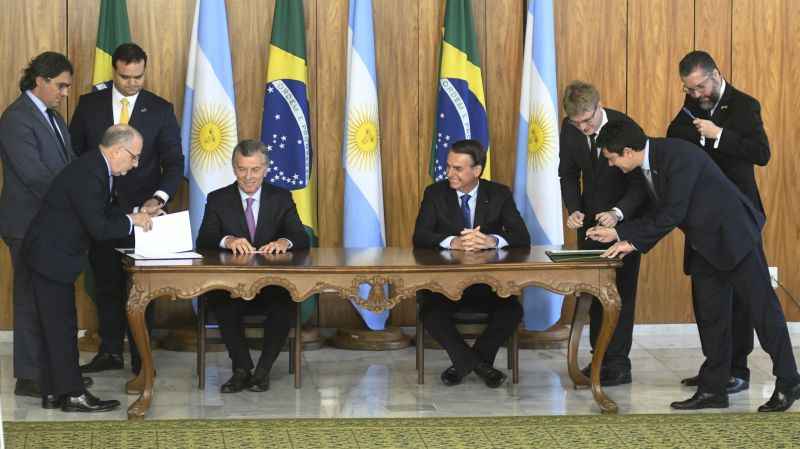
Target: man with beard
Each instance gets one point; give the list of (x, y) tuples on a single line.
[(726, 123)]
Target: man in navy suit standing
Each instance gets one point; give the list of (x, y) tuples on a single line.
[(34, 146), (151, 185), (723, 254)]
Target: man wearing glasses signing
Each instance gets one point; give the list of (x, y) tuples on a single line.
[(597, 195), (726, 123)]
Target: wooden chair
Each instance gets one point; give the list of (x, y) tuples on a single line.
[(466, 317), (206, 320)]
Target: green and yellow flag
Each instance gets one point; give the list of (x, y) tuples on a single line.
[(112, 30), (285, 125)]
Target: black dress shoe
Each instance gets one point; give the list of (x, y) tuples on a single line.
[(702, 400), (51, 401), (238, 382), (491, 377), (734, 384), (103, 361), (259, 381), (781, 399), (450, 377), (27, 387), (609, 377), (87, 403)]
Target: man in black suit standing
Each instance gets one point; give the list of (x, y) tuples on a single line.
[(249, 216), (595, 193), (723, 254), (34, 146), (466, 213), (157, 178), (726, 123), (76, 211)]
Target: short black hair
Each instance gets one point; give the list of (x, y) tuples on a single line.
[(47, 65), (128, 53), (620, 134), (697, 59), (473, 148)]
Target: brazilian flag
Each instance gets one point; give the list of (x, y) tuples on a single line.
[(285, 125), (461, 105), (112, 30)]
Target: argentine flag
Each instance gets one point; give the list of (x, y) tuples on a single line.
[(208, 130), (364, 225), (536, 188)]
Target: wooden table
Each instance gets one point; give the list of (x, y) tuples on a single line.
[(404, 270)]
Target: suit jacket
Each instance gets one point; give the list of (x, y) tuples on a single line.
[(743, 144), (593, 187), (277, 218), (719, 222), (495, 212), (161, 163), (32, 157), (76, 210)]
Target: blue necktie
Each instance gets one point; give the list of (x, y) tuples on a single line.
[(465, 211)]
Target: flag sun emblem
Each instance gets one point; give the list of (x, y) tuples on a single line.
[(362, 139), (541, 138), (213, 137)]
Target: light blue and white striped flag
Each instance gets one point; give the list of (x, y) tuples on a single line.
[(208, 129), (536, 187), (361, 152)]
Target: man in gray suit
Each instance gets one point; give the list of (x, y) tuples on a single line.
[(34, 146)]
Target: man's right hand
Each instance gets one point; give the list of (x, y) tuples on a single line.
[(575, 220), (142, 219), (239, 245)]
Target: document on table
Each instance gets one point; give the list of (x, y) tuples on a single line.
[(170, 238)]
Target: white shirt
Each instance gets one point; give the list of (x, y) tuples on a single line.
[(472, 202), (43, 109), (711, 113), (603, 121)]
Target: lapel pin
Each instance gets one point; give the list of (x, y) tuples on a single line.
[(143, 110), (723, 107)]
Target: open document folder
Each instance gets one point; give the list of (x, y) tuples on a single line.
[(576, 255), (170, 238)]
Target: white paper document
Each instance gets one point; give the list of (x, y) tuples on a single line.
[(170, 236)]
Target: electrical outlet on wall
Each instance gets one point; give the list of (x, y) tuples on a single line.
[(773, 275)]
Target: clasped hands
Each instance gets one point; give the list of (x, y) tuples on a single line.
[(240, 245), (473, 240)]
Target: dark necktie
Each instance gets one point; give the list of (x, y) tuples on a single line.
[(648, 179), (51, 115), (593, 148), (251, 220), (465, 212)]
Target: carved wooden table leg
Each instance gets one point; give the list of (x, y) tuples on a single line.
[(582, 304), (298, 345), (143, 383), (609, 298)]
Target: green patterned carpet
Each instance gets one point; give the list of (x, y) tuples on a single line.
[(704, 431)]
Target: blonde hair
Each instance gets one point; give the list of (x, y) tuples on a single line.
[(579, 97)]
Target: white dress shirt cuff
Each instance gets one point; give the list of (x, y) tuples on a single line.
[(618, 212), (290, 242), (719, 137), (446, 242), (222, 242), (130, 225), (163, 195), (501, 242)]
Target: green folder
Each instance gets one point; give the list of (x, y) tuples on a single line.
[(576, 255)]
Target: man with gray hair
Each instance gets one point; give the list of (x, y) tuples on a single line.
[(76, 210), (596, 194), (245, 217), (726, 123)]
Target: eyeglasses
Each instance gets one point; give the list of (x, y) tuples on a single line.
[(585, 121), (134, 157), (700, 87)]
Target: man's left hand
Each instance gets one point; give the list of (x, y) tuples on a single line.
[(279, 246), (602, 234), (608, 219), (475, 240), (707, 128), (152, 206), (619, 250)]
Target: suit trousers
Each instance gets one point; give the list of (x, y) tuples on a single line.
[(741, 335), (58, 322), (713, 298), (27, 332), (620, 346), (272, 301), (437, 311), (111, 298)]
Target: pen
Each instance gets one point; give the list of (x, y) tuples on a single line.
[(689, 113)]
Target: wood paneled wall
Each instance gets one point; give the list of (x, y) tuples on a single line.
[(629, 48)]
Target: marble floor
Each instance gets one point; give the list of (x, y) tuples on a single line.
[(352, 384)]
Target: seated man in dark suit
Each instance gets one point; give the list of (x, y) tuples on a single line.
[(723, 254), (247, 216), (466, 213), (76, 211)]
